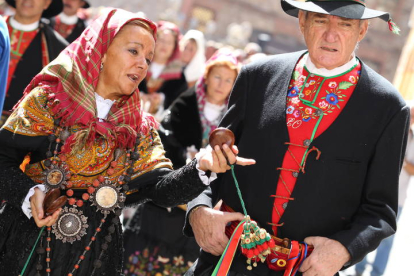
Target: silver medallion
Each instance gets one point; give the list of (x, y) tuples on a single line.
[(55, 177), (107, 197), (70, 226)]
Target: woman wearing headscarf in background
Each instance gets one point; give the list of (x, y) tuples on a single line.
[(193, 56), (153, 236), (81, 123), (165, 79)]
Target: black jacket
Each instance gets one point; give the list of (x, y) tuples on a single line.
[(76, 32), (349, 194), (181, 128), (30, 63)]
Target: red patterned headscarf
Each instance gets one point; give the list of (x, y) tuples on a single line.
[(71, 80)]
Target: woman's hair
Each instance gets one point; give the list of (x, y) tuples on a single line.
[(141, 24), (219, 62)]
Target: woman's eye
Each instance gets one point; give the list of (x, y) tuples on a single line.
[(133, 51)]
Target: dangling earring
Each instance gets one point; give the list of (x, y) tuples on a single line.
[(101, 68)]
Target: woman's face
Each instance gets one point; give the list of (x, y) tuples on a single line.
[(219, 83), (189, 51), (126, 62), (165, 46)]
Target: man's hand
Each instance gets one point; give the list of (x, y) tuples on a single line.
[(36, 203), (327, 258), (209, 228), (215, 161)]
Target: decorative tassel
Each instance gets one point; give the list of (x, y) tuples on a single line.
[(256, 243), (393, 27)]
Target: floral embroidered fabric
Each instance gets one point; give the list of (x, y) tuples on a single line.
[(313, 103)]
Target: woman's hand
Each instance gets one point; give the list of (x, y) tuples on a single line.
[(215, 160), (36, 203)]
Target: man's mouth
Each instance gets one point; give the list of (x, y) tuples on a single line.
[(329, 49)]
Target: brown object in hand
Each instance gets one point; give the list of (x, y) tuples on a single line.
[(53, 201), (221, 136)]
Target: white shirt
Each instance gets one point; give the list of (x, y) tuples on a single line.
[(213, 111), (156, 69), (23, 27), (329, 73), (68, 19)]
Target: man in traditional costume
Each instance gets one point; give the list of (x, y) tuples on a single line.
[(33, 45), (68, 24), (328, 135)]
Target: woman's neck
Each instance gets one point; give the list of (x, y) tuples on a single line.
[(159, 60)]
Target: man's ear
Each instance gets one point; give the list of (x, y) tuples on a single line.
[(302, 19), (363, 29)]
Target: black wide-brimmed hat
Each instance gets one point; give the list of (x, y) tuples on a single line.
[(55, 7), (352, 9), (86, 5)]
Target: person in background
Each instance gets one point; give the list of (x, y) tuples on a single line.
[(33, 44), (383, 251), (328, 134), (68, 23), (193, 56), (4, 59), (211, 48), (165, 80), (251, 49), (187, 125)]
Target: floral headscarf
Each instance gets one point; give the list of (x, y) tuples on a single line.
[(71, 79), (201, 92)]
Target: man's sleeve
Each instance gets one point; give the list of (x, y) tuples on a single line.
[(376, 217)]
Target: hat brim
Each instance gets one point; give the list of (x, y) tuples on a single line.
[(87, 5), (344, 9), (55, 7)]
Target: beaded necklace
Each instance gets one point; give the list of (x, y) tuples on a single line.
[(105, 195)]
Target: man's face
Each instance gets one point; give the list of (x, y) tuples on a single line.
[(31, 9), (331, 40), (70, 7)]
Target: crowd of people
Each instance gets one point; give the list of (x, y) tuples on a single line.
[(116, 111)]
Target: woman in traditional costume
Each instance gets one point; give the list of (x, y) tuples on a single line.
[(81, 125), (165, 80), (158, 244)]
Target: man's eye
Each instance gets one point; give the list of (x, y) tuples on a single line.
[(148, 61)]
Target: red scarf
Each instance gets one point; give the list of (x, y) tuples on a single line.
[(70, 81)]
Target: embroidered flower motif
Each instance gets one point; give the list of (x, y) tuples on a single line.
[(352, 79), (295, 100), (306, 118), (308, 92), (332, 84), (323, 105), (332, 99), (308, 111), (290, 109), (312, 82), (178, 260), (293, 92), (296, 113)]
